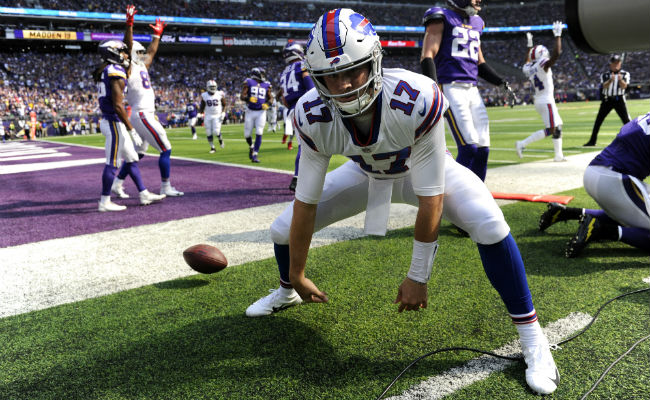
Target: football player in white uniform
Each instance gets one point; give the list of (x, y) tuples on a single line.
[(141, 98), (538, 70), (213, 106), (388, 122)]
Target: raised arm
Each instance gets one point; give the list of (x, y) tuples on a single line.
[(557, 48), (155, 41)]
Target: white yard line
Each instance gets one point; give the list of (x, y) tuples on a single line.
[(480, 368)]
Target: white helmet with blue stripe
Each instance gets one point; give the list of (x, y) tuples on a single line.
[(343, 39)]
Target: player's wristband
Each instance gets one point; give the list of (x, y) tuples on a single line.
[(155, 36), (422, 261), (486, 72), (429, 68)]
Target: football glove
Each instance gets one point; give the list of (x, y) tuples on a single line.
[(265, 106), (529, 39), (223, 116), (557, 28), (130, 14), (252, 99), (159, 27), (511, 95), (137, 140)]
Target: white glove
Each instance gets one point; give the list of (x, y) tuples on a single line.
[(137, 140), (529, 39), (223, 116), (557, 28)]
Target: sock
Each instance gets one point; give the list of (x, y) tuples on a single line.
[(124, 171), (557, 146), (505, 269), (211, 142), (466, 154), (479, 163), (297, 163), (538, 135), (193, 130), (134, 173), (282, 258), (107, 179), (164, 164), (249, 141), (104, 199), (601, 215), (220, 139), (258, 143), (636, 237), (530, 333)]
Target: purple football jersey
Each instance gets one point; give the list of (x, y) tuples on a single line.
[(457, 58), (292, 83), (629, 152), (110, 72), (258, 90), (191, 110)]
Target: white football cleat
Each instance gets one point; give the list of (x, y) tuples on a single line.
[(194, 137), (146, 197), (169, 190), (541, 375), (520, 148), (278, 300), (118, 190), (222, 145), (110, 206)]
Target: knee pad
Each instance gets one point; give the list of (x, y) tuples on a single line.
[(280, 231), (490, 231)]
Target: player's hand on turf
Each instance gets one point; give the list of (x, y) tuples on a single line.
[(159, 27), (411, 296), (308, 291), (557, 28), (529, 39), (130, 14)]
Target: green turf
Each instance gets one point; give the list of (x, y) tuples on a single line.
[(506, 126), (189, 338)]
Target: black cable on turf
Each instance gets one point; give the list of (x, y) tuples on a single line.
[(612, 365), (381, 396)]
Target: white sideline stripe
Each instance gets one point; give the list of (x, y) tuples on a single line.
[(481, 367), (35, 156), (16, 169), (26, 152)]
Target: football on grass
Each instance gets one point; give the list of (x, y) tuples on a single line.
[(205, 259)]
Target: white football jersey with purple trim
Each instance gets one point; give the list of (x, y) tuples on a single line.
[(409, 106)]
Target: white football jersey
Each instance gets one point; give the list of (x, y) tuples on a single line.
[(542, 80), (212, 103), (139, 92), (399, 143)]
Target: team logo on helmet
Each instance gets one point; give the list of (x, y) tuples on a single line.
[(336, 60), (360, 24)]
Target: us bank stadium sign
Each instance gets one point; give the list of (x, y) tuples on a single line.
[(265, 42)]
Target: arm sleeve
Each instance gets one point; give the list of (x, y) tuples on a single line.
[(428, 163), (311, 175), (429, 68), (486, 72)]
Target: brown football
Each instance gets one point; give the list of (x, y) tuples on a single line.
[(205, 259)]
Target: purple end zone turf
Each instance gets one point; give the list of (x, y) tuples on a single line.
[(55, 203)]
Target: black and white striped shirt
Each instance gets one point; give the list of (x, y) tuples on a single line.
[(614, 89)]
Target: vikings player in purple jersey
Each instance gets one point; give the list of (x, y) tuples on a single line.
[(397, 154), (258, 95), (295, 82), (452, 56), (615, 180), (121, 137), (191, 111)]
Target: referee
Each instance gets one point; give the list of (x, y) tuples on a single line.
[(613, 84)]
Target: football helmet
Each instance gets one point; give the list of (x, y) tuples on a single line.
[(293, 52), (137, 52), (341, 40), (258, 73), (464, 5), (211, 86), (111, 52), (538, 52)]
